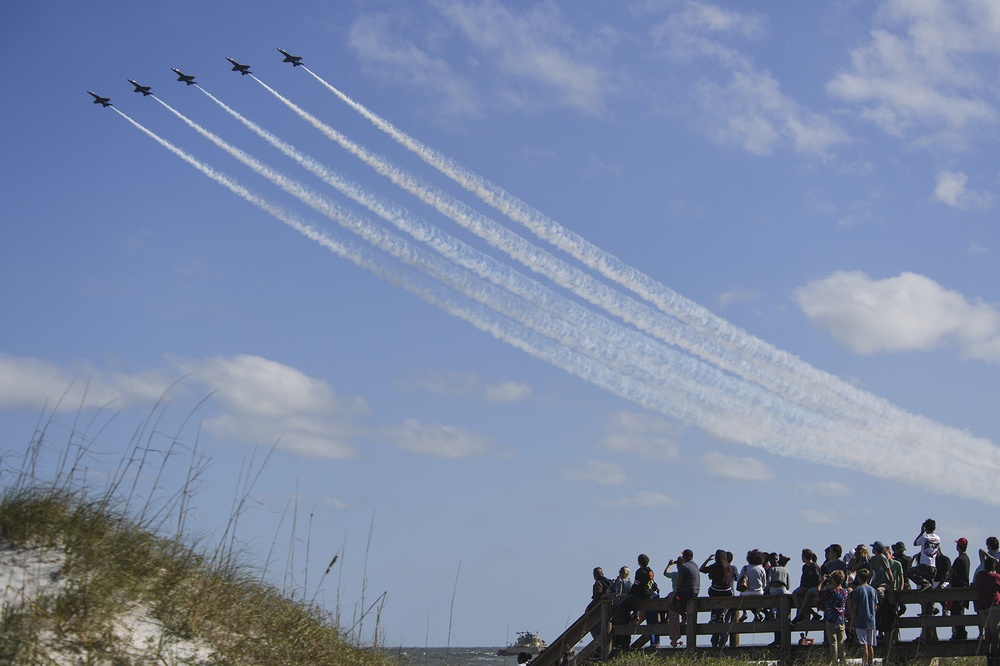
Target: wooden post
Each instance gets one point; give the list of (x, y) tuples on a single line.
[(785, 616), (605, 638), (692, 623)]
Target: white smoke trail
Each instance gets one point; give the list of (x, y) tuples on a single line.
[(646, 319), (752, 349), (640, 356), (696, 386), (913, 436), (760, 429), (554, 352)]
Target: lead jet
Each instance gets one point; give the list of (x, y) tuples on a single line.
[(145, 90), (103, 101), (186, 78), (290, 58), (237, 67)]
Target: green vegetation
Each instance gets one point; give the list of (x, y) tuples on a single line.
[(115, 573)]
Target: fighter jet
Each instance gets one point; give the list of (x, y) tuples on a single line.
[(290, 58), (145, 90), (237, 67), (186, 78), (103, 101)]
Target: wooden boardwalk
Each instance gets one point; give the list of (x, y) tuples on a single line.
[(786, 647)]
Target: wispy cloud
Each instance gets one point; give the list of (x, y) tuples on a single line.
[(508, 392), (596, 471), (732, 468), (385, 49), (740, 103), (647, 435), (467, 384), (535, 47), (908, 312), (533, 57), (437, 440), (927, 71), (647, 499), (253, 399)]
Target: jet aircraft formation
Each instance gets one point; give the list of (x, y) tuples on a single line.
[(296, 61)]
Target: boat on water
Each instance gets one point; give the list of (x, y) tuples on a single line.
[(527, 642)]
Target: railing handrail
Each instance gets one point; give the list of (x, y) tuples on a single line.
[(599, 616)]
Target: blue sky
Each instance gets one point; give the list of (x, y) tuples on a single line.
[(808, 188)]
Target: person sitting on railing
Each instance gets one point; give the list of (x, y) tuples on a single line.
[(752, 581), (804, 596), (600, 592), (721, 576), (992, 550), (621, 585), (923, 571), (860, 560), (778, 583)]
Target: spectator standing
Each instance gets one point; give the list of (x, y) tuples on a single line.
[(987, 584), (833, 597), (863, 604), (721, 577), (959, 577), (652, 617)]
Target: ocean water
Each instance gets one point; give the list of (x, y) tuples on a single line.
[(451, 657)]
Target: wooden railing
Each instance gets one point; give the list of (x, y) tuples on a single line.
[(785, 645)]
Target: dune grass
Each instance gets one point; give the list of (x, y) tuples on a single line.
[(118, 562)]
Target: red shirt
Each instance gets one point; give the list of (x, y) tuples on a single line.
[(987, 589)]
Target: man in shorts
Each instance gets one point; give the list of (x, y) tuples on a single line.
[(863, 607)]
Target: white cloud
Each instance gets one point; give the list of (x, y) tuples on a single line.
[(380, 43), (951, 189), (818, 516), (906, 312), (534, 46), (738, 295), (927, 71), (648, 435), (437, 440), (508, 392), (732, 468), (742, 105), (444, 382), (823, 489), (267, 402), (335, 503), (262, 401), (645, 500), (34, 383), (596, 471)]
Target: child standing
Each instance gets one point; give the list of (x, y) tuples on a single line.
[(833, 598)]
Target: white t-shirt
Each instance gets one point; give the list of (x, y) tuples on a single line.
[(930, 545)]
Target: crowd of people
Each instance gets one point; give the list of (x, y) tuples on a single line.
[(848, 589)]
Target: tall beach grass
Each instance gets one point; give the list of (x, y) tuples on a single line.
[(124, 555)]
